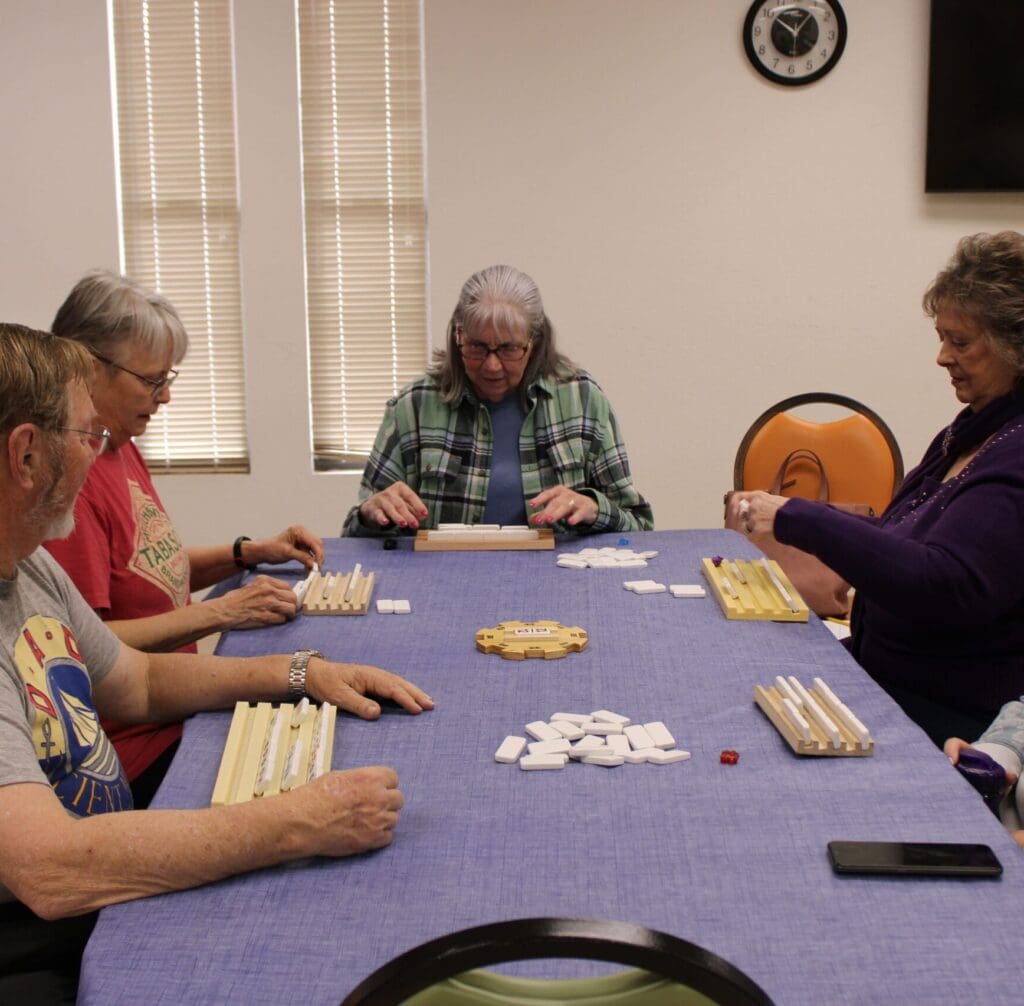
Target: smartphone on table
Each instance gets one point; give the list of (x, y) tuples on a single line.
[(928, 859)]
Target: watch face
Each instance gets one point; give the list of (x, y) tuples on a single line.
[(794, 42)]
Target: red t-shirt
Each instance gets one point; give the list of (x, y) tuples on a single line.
[(127, 561)]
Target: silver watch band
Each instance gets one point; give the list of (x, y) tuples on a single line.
[(297, 672)]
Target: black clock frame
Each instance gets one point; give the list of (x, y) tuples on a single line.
[(778, 78)]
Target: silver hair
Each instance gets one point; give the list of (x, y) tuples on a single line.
[(508, 301), (113, 315)]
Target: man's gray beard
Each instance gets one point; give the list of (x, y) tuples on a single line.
[(61, 526), (53, 525)]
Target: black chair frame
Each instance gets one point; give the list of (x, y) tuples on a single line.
[(541, 938), (816, 398)]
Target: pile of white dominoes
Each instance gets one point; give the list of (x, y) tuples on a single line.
[(604, 558), (601, 738)]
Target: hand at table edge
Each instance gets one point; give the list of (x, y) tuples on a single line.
[(348, 686)]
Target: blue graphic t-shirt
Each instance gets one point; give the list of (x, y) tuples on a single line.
[(53, 649)]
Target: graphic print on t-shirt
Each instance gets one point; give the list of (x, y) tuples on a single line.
[(158, 556), (73, 749)]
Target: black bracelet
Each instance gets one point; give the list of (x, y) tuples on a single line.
[(236, 551)]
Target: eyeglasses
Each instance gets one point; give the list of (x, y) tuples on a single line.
[(155, 386), (507, 352), (98, 440)]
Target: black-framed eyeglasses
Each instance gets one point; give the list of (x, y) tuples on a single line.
[(155, 385), (507, 352), (98, 439)]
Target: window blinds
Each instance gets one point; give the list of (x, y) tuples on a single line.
[(174, 94), (362, 167)]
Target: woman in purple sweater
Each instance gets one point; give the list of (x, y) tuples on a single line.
[(938, 615)]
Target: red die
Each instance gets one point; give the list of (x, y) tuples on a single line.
[(729, 757)]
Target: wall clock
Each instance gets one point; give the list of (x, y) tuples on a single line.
[(794, 42)]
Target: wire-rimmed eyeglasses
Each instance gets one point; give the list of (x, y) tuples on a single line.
[(155, 385), (507, 352), (98, 439)]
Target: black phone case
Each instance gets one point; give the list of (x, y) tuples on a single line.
[(920, 859)]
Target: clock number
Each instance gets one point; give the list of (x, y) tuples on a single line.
[(757, 30), (760, 50), (809, 65), (832, 35), (823, 53), (791, 70)]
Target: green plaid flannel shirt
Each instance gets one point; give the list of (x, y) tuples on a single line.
[(443, 453)]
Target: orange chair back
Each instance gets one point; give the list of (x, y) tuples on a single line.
[(859, 453)]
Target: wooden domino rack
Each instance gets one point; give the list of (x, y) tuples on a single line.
[(349, 594), (519, 640), (813, 721), (261, 749), (488, 538), (754, 589)]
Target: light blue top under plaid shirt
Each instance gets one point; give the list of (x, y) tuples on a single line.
[(443, 453)]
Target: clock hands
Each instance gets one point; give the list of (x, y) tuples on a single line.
[(803, 31)]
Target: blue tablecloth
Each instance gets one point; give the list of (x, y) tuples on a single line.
[(730, 857)]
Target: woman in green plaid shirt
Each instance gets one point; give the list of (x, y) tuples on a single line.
[(503, 429)]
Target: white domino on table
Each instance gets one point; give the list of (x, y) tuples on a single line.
[(607, 716), (588, 745), (570, 731), (535, 762), (510, 750), (638, 736), (618, 743), (389, 606), (687, 590), (658, 756), (541, 731), (560, 746), (645, 586), (660, 735), (578, 718), (602, 729), (610, 760)]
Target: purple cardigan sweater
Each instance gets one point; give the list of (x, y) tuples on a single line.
[(939, 608)]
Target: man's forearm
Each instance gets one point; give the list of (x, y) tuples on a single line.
[(181, 684), (82, 865)]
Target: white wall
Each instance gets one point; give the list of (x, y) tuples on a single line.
[(707, 243)]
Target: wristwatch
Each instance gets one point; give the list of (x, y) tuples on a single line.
[(297, 672)]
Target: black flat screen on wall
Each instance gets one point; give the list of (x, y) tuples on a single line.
[(976, 97)]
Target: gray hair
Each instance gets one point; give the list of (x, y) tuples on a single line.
[(985, 281), (505, 299), (36, 369), (111, 314)]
